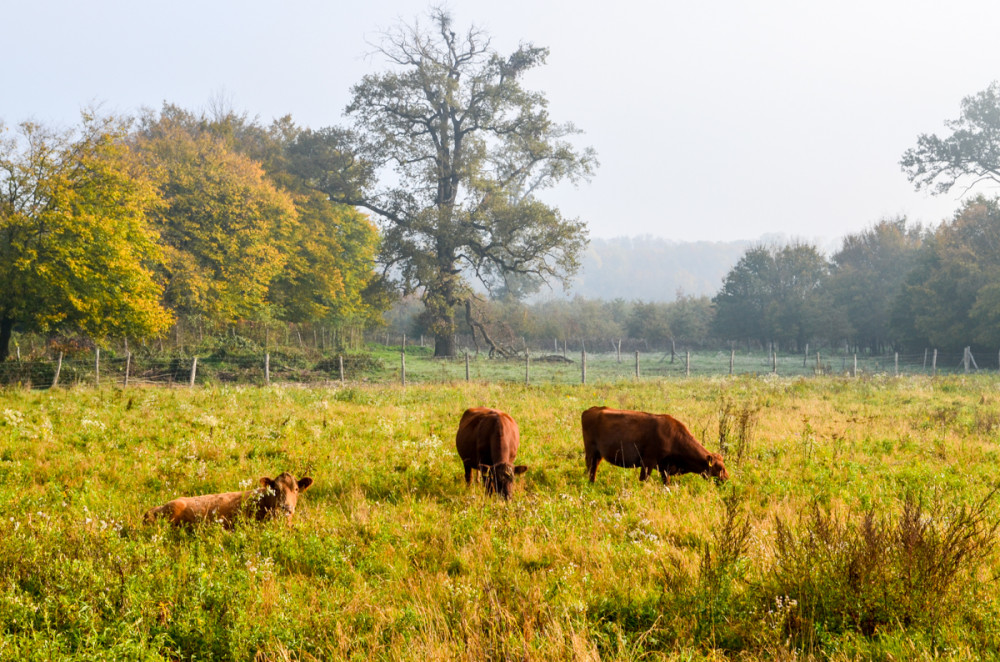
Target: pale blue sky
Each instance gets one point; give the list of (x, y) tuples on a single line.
[(712, 120)]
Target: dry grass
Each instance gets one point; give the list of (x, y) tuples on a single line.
[(858, 525)]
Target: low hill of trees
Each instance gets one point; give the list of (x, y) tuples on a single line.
[(654, 269)]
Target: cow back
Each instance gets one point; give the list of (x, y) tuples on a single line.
[(487, 436)]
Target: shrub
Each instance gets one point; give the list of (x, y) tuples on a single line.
[(737, 425), (876, 574)]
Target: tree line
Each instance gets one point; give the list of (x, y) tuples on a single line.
[(894, 285), (122, 226)]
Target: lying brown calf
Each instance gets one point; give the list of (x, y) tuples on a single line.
[(273, 498)]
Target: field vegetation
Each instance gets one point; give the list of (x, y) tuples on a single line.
[(860, 523)]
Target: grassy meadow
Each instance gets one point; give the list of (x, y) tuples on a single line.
[(859, 523)]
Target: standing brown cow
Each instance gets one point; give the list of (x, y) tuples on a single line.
[(487, 440), (273, 498), (649, 441)]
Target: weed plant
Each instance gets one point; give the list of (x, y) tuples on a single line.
[(860, 522)]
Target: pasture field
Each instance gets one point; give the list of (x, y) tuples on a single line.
[(859, 523)]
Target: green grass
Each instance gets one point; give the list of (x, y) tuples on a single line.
[(810, 551)]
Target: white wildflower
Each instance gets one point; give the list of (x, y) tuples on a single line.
[(12, 417), (90, 423)]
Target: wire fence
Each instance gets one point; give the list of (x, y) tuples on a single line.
[(412, 365)]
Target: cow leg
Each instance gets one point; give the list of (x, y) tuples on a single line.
[(468, 474), (643, 472), (665, 472), (592, 462)]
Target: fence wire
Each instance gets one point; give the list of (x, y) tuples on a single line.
[(391, 365)]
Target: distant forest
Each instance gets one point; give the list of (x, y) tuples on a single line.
[(652, 268), (893, 286)]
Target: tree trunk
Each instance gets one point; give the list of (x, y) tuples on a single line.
[(6, 329), (440, 300), (444, 344)]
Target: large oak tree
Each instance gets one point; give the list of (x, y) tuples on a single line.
[(460, 149)]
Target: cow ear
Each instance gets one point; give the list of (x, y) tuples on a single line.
[(520, 469), (266, 482), (304, 483), (711, 459)]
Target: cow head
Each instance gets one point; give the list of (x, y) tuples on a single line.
[(499, 478), (280, 495), (716, 468)]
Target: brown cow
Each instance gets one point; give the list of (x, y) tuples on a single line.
[(649, 441), (487, 440), (272, 498)]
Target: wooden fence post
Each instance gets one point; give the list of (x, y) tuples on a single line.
[(732, 360), (583, 366), (267, 368), (466, 365), (636, 362), (128, 366), (805, 357), (527, 364), (855, 373), (194, 371), (925, 358), (55, 378), (819, 364), (687, 363), (934, 363), (774, 361), (340, 363), (97, 366), (896, 362), (402, 368)]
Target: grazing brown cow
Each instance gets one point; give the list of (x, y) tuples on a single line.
[(649, 441), (273, 498), (487, 440)]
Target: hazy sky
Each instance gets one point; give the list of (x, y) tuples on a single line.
[(712, 120)]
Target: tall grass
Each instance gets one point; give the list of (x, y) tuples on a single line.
[(860, 523)]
